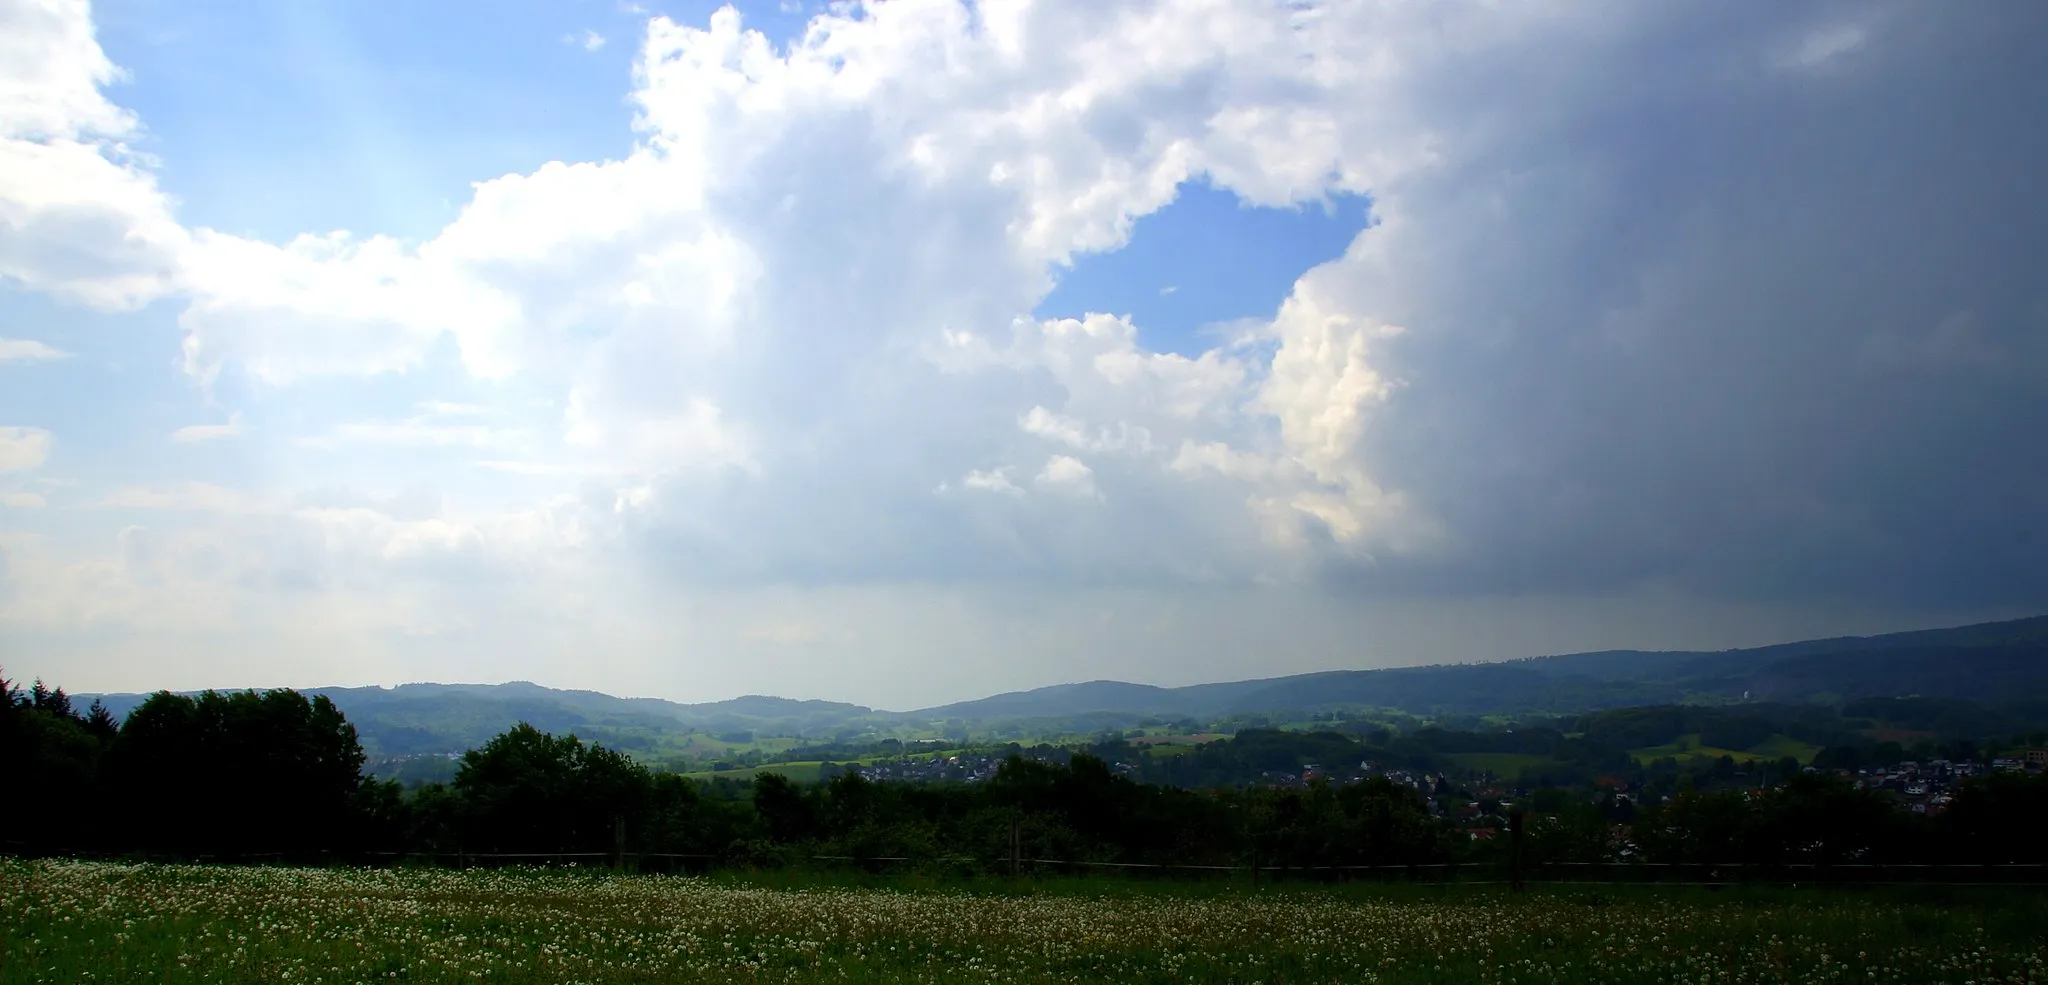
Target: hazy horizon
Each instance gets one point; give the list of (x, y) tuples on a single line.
[(913, 352), (389, 686)]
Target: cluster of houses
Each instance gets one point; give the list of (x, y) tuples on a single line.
[(1427, 783), (1927, 788), (1920, 787), (970, 768)]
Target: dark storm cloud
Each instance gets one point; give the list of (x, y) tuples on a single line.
[(1747, 324)]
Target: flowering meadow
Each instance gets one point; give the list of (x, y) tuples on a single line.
[(69, 921)]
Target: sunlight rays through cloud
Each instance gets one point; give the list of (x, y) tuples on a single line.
[(1585, 326)]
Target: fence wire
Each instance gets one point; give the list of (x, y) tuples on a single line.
[(1632, 873)]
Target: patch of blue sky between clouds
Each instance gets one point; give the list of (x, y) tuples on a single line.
[(1204, 261), (376, 116), (371, 116)]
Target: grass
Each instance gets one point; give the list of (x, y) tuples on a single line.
[(1779, 746), (72, 921), (1189, 740), (1688, 746)]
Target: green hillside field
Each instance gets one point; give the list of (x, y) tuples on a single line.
[(1688, 746)]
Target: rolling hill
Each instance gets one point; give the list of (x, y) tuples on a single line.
[(1992, 662), (417, 719), (1981, 662)]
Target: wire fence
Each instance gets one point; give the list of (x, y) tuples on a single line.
[(1642, 873)]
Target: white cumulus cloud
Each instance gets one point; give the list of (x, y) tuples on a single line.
[(1069, 475), (80, 215), (29, 351), (24, 448), (1650, 294), (196, 433)]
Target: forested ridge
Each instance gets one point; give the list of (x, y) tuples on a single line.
[(276, 774), (1987, 664)]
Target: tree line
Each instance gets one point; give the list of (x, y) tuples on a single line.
[(249, 775)]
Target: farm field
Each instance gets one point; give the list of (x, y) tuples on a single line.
[(1780, 746), (63, 921), (1688, 747)]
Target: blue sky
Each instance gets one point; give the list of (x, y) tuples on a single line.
[(1198, 266), (906, 353), (378, 118), (391, 110)]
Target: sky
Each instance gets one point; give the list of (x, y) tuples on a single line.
[(907, 352)]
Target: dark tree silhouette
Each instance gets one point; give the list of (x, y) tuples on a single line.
[(240, 774)]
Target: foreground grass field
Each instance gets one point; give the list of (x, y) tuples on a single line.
[(97, 922)]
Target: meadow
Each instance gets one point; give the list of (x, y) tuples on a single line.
[(1689, 747), (69, 921)]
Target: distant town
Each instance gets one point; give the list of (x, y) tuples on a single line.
[(1913, 786)]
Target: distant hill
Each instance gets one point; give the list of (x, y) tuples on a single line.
[(1062, 700), (416, 719), (1992, 662), (1982, 662)]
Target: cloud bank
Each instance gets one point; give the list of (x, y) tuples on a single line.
[(1736, 305)]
